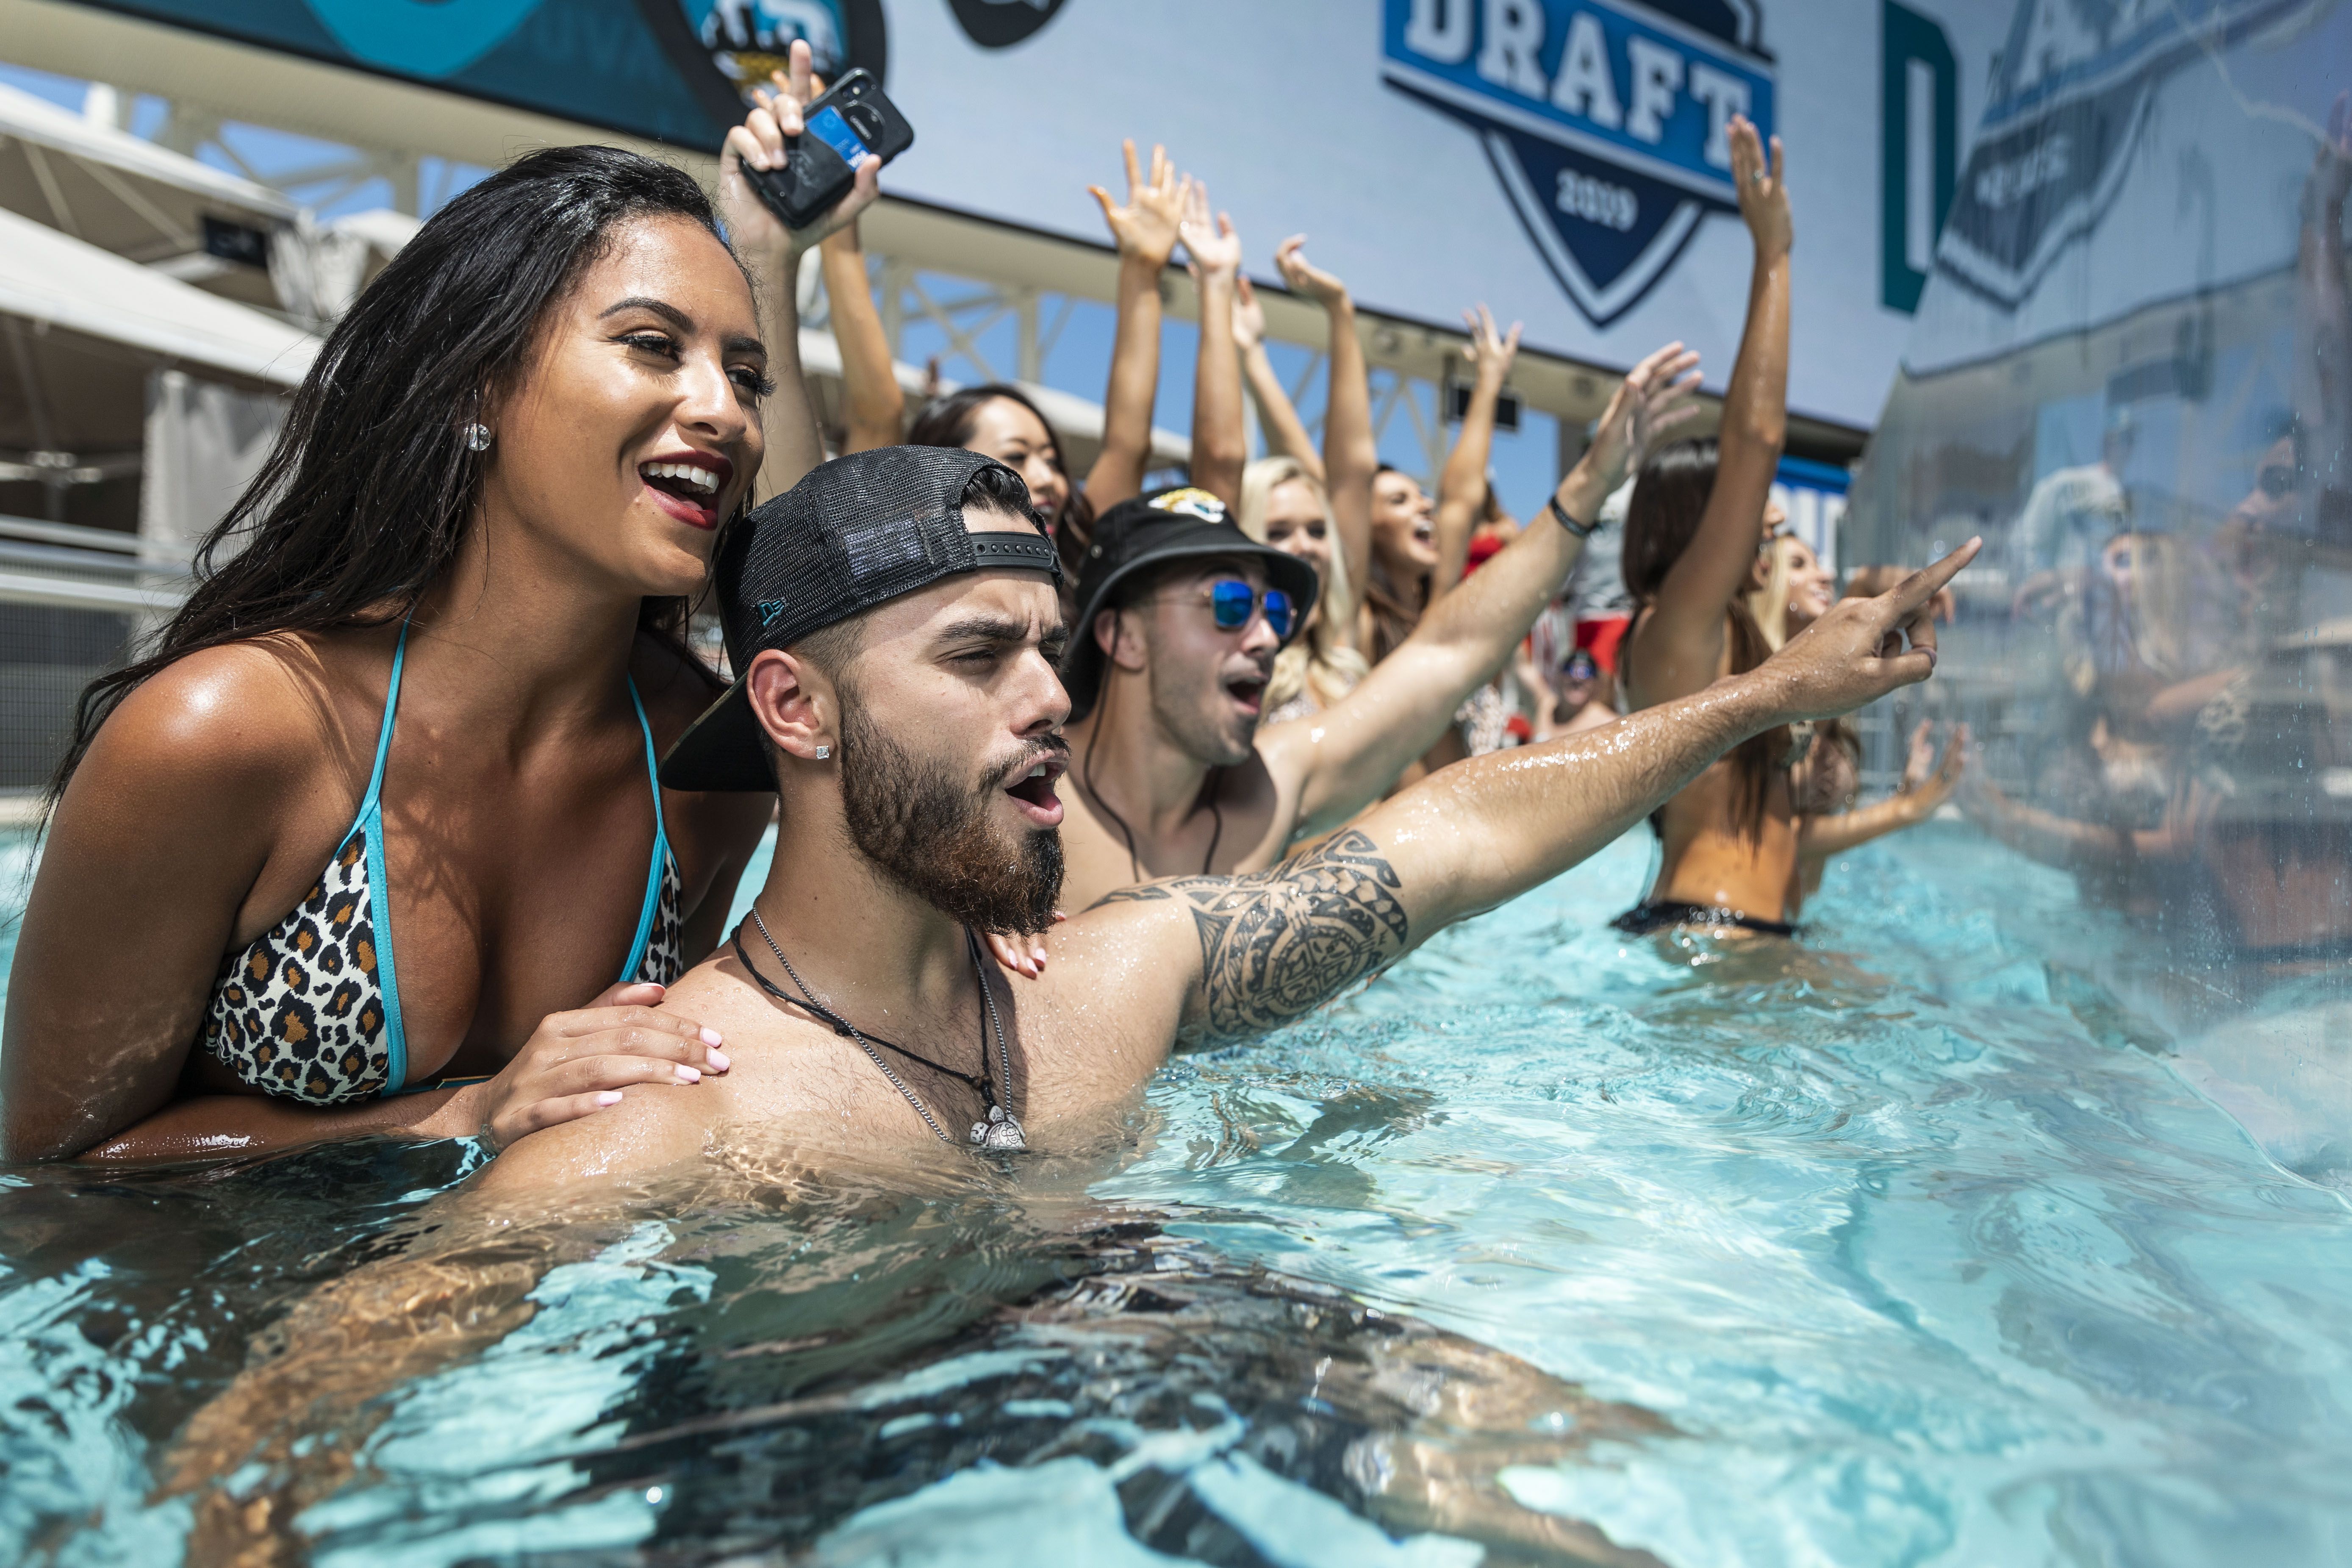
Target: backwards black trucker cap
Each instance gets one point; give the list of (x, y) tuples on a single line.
[(1148, 531), (856, 532)]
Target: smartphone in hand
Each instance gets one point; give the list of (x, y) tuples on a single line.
[(849, 122)]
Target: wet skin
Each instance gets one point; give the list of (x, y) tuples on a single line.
[(518, 814)]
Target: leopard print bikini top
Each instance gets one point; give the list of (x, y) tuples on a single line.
[(311, 1011)]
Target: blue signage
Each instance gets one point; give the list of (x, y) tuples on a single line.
[(1605, 120)]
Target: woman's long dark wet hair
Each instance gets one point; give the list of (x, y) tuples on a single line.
[(1669, 500), (950, 420), (369, 488)]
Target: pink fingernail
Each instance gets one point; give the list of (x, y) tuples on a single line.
[(610, 1097), (689, 1075), (717, 1060), (713, 1037)]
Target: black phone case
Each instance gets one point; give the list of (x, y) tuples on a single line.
[(814, 176)]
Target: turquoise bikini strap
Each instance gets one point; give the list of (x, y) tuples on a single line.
[(370, 822), (383, 732), (661, 844), (653, 763)]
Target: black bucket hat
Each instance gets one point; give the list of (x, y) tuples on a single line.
[(856, 532), (1148, 533)]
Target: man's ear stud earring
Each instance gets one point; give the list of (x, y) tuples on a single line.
[(823, 752), (478, 437)]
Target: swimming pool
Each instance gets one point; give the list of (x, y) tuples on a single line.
[(1909, 1246)]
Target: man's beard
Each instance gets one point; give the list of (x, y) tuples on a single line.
[(929, 832)]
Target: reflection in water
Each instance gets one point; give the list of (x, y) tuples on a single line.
[(2137, 386)]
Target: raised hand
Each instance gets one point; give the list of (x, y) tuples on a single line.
[(1302, 277), (1146, 227), (759, 143), (1489, 350), (1654, 397), (1249, 316), (1926, 785), (1868, 580), (1763, 194), (1209, 240), (1863, 648)]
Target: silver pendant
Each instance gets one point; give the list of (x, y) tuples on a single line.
[(999, 1131)]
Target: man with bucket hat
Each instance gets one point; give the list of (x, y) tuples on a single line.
[(1180, 617)]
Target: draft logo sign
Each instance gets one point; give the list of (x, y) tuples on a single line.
[(1606, 122)]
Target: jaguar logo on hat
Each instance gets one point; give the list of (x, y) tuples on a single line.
[(1191, 503)]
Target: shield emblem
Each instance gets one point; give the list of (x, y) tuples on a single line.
[(2069, 94), (1605, 120)]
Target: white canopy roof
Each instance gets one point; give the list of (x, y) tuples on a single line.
[(48, 276), (116, 190)]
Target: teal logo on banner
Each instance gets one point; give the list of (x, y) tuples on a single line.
[(633, 65), (1605, 120), (422, 38), (2069, 93)]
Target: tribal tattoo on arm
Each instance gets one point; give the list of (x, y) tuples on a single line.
[(1279, 944)]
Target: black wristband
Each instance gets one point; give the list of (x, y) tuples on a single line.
[(1559, 515)]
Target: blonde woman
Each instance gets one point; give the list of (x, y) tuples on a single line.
[(1285, 506)]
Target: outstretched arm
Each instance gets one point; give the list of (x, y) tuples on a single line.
[(771, 253), (1351, 454), (1679, 645), (1344, 757), (1462, 485), (1262, 950), (1145, 229), (1220, 444), (1286, 432), (1925, 786), (877, 407)]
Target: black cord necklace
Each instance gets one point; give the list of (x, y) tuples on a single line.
[(1212, 789), (1000, 1131)]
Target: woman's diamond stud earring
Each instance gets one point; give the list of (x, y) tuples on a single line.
[(823, 752), (478, 437)]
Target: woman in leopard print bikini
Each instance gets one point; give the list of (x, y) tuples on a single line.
[(435, 650)]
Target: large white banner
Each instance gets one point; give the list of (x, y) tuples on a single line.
[(1564, 161), (1561, 160)]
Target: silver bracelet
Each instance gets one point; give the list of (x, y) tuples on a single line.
[(1559, 515)]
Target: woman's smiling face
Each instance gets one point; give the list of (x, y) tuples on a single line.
[(1015, 436), (1295, 521), (634, 430)]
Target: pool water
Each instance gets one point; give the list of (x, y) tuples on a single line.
[(1914, 1245)]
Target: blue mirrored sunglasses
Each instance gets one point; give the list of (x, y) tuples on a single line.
[(1234, 601)]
